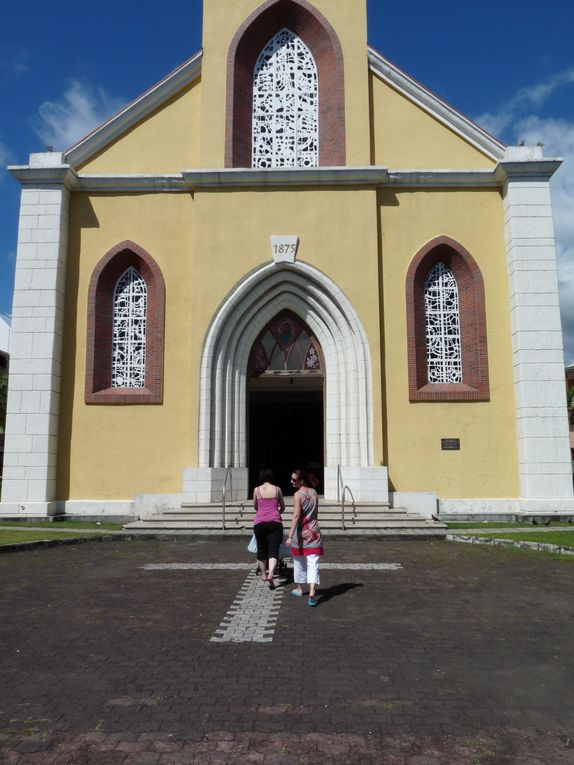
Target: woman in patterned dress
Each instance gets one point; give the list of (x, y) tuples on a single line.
[(305, 537)]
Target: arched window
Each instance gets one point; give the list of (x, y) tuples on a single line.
[(444, 363), (446, 325), (285, 89), (285, 346), (124, 348), (285, 104), (129, 336)]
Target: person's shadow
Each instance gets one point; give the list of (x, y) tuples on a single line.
[(337, 589), (323, 595)]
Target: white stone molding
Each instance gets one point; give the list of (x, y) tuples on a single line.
[(541, 415), (31, 445), (360, 177), (332, 319), (433, 105)]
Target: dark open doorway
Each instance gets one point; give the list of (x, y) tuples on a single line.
[(285, 433)]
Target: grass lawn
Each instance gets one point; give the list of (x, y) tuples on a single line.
[(563, 538), (54, 525), (499, 525), (8, 537)]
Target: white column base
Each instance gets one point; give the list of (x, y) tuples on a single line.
[(146, 505), (23, 510), (423, 503), (505, 507), (98, 508), (205, 485), (368, 484)]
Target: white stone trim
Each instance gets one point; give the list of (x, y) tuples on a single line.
[(433, 105), (204, 485), (97, 507), (31, 444), (135, 111), (213, 178), (367, 484), (545, 469), (421, 502), (25, 509), (332, 319)]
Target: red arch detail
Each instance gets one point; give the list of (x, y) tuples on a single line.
[(98, 388), (250, 39), (475, 384)]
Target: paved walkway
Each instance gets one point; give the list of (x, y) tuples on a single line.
[(453, 654)]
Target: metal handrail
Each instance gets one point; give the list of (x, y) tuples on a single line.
[(346, 489), (341, 499), (223, 495)]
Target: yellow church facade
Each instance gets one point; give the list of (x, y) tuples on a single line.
[(286, 254)]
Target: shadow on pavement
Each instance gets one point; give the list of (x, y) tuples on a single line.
[(336, 590)]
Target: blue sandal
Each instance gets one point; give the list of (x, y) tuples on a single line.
[(312, 602), (296, 593)]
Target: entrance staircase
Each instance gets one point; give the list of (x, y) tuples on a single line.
[(362, 518)]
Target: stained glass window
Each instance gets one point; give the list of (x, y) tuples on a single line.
[(129, 333), (444, 358), (285, 345), (285, 104)]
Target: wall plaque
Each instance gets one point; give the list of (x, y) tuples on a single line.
[(284, 248), (450, 444)]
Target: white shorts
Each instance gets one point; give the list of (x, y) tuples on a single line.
[(306, 569)]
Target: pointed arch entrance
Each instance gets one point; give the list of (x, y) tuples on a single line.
[(285, 413), (325, 310)]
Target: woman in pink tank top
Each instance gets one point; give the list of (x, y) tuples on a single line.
[(267, 526)]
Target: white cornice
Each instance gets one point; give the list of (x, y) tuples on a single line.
[(222, 178), (434, 106), (43, 177), (135, 111), (312, 176)]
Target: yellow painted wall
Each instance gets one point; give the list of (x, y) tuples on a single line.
[(167, 141), (204, 248), (405, 136), (115, 452), (486, 465), (222, 18)]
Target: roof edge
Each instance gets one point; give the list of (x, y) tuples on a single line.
[(134, 112), (435, 106)]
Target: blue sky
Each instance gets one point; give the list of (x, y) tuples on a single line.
[(65, 67)]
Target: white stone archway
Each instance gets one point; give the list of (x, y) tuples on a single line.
[(318, 301)]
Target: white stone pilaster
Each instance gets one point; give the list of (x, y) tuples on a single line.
[(31, 444), (541, 415)]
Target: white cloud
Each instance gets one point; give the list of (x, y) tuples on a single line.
[(525, 101), (81, 109), (519, 119)]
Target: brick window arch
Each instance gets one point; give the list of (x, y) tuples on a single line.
[(304, 21), (471, 329), (101, 387)]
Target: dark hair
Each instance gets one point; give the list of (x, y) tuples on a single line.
[(303, 476), (266, 476), (313, 480)]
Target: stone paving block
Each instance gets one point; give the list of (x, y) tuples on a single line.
[(415, 654)]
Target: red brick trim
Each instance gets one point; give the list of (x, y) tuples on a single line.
[(251, 37), (475, 384), (98, 388)]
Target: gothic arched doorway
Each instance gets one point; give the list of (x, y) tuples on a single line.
[(285, 401)]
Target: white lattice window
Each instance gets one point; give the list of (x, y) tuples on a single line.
[(129, 334), (285, 104), (444, 358)]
